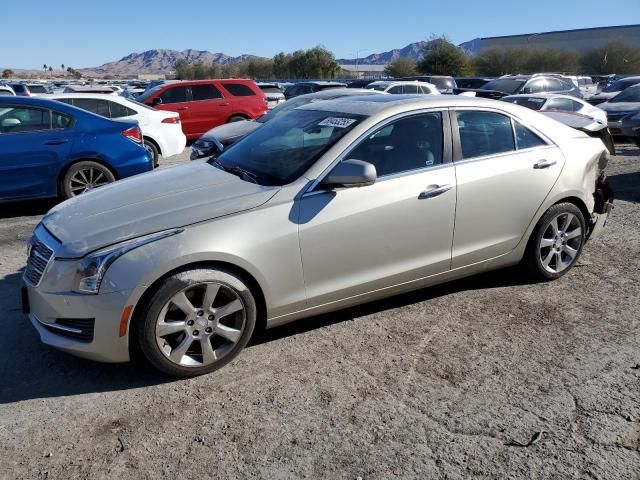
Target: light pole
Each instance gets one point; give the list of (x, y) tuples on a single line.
[(358, 58)]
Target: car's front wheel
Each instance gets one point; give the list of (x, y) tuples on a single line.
[(556, 242), (197, 322), (85, 176)]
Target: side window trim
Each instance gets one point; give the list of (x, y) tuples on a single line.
[(447, 156), (455, 134)]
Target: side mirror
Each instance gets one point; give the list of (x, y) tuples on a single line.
[(156, 101), (351, 173)]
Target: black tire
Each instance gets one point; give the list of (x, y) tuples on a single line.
[(533, 261), (70, 186), (153, 150), (146, 326), (236, 118)]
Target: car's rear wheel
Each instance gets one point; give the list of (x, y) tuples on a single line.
[(153, 151), (197, 322), (556, 242), (85, 176)]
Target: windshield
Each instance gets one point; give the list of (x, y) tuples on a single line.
[(282, 150), (620, 85), (631, 94), (379, 87), (506, 85), (534, 103)]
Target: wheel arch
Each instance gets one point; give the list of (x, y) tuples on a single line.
[(578, 202), (240, 114), (245, 276), (155, 143), (66, 168)]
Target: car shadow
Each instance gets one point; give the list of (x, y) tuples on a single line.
[(27, 208), (626, 186), (32, 370)]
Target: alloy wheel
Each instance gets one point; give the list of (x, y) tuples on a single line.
[(87, 179), (560, 242), (200, 324)]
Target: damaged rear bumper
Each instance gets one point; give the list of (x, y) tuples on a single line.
[(603, 206)]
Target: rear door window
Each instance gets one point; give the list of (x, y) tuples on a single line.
[(238, 89), (525, 138), (117, 110), (410, 89), (484, 133), (560, 104), (93, 105), (205, 92)]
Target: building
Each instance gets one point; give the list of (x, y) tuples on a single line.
[(580, 40), (363, 71)]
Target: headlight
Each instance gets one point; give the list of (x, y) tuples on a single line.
[(91, 269)]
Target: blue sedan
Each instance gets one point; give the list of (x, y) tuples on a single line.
[(50, 149)]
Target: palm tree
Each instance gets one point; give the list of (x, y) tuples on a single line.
[(50, 70)]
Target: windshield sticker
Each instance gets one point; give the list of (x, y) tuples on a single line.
[(336, 122)]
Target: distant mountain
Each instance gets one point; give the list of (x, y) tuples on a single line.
[(413, 50), (161, 61)]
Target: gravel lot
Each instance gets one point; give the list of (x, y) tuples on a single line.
[(440, 383)]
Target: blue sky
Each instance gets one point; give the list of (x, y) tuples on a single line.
[(87, 33)]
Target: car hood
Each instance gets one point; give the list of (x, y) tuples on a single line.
[(620, 107), (231, 131), (149, 203)]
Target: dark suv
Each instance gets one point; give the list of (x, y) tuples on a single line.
[(303, 88), (525, 84)]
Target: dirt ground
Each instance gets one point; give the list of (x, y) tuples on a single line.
[(448, 382)]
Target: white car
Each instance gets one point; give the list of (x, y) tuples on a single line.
[(553, 101), (6, 91), (404, 87), (272, 93), (161, 130)]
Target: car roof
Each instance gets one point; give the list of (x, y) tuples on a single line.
[(321, 83), (94, 95), (341, 92), (370, 105), (545, 95)]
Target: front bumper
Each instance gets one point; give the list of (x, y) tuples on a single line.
[(52, 314)]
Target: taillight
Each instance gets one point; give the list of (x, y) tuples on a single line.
[(134, 134), (26, 94), (172, 120)]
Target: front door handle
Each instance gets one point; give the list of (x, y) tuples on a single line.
[(57, 141), (434, 191), (544, 164)]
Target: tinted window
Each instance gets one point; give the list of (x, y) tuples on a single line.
[(425, 90), (410, 89), (505, 85), (560, 104), (99, 107), (395, 90), (19, 119), (555, 85), (68, 101), (18, 88), (37, 89), (119, 111), (270, 89), (484, 133), (534, 103), (174, 95), (238, 90), (60, 120), (525, 138), (5, 93), (205, 92), (536, 86), (406, 144)]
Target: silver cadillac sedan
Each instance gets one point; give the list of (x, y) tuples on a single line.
[(333, 204)]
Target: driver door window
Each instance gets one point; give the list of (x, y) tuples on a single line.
[(174, 95), (410, 143)]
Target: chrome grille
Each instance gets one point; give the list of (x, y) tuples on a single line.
[(39, 256)]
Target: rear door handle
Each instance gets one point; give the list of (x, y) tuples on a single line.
[(224, 104), (434, 191), (544, 164), (57, 141)]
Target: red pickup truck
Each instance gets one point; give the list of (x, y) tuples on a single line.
[(204, 104)]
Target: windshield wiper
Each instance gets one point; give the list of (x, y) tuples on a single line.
[(237, 171)]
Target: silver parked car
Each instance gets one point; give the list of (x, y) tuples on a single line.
[(333, 204)]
